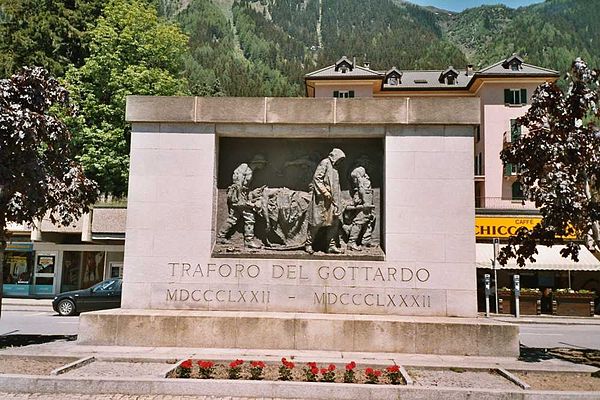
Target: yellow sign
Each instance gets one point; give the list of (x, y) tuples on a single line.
[(503, 227)]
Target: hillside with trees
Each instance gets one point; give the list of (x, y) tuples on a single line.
[(106, 50)]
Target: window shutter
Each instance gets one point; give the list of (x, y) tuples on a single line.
[(507, 96), (351, 93), (517, 191), (507, 169), (515, 130), (336, 93), (523, 96)]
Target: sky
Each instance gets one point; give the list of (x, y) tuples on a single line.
[(459, 5)]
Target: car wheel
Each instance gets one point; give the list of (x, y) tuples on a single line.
[(66, 307)]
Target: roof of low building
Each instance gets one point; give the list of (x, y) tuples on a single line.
[(430, 79)]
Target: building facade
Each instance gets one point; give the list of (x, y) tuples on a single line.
[(48, 259), (504, 90)]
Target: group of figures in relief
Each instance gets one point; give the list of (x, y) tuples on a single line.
[(285, 219)]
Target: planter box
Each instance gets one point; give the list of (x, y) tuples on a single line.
[(505, 302), (529, 303), (574, 304)]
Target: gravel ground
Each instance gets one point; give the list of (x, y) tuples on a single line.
[(459, 378), (30, 366), (120, 369), (560, 381)]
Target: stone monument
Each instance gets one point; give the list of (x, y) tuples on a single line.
[(326, 224)]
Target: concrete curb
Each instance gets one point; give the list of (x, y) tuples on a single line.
[(513, 378), (265, 389), (75, 364)]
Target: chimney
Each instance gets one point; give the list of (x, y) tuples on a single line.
[(353, 61), (367, 64), (469, 70)]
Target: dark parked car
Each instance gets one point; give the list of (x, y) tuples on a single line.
[(103, 295)]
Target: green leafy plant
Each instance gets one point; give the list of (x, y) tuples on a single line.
[(285, 370), (393, 374), (185, 369), (234, 369), (372, 375), (349, 376), (328, 374), (256, 370), (310, 372), (206, 369)]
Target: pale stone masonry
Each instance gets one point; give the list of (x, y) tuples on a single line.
[(302, 302)]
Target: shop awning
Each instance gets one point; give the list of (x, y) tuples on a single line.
[(548, 258)]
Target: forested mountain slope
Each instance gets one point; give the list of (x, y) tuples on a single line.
[(281, 40)]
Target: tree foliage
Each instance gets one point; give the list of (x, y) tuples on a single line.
[(37, 172), (50, 34), (559, 162), (132, 51)]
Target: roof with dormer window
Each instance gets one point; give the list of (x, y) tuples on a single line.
[(450, 71), (431, 79)]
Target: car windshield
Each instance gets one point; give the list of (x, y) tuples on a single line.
[(105, 286)]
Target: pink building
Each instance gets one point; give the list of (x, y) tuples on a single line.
[(504, 88)]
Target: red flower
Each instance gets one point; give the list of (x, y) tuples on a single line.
[(236, 363), (369, 371), (186, 364), (312, 364), (377, 373), (331, 367), (393, 368), (283, 361), (257, 364), (290, 365), (350, 366), (323, 371), (205, 364)]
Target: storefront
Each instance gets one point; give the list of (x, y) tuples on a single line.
[(550, 272), (45, 269), (18, 269)]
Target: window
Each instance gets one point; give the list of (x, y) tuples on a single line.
[(479, 164), (450, 79), (393, 81), (515, 96), (515, 130), (517, 191), (511, 169), (343, 94), (515, 66)]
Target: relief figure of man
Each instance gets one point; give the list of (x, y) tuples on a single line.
[(364, 220), (326, 202), (240, 204)]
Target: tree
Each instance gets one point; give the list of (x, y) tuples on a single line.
[(559, 163), (132, 51), (44, 33), (37, 172)]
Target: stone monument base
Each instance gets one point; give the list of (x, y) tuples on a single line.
[(300, 331)]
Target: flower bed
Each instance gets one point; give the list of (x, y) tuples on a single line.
[(288, 371)]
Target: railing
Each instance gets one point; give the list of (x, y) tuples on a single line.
[(499, 203)]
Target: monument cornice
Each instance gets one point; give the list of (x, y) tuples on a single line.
[(304, 111)]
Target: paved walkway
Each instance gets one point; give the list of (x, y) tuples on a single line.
[(64, 396)]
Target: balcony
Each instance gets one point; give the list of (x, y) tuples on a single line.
[(500, 203)]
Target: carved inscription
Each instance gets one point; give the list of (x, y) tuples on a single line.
[(345, 286), (293, 271), (373, 299)]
